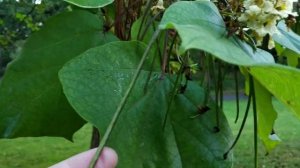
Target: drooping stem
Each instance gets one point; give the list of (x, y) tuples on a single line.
[(206, 79), (237, 97), (217, 90), (220, 83), (122, 103), (166, 57), (165, 54), (252, 88), (174, 92), (242, 126), (148, 25), (144, 17), (152, 66)]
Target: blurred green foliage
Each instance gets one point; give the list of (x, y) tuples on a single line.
[(18, 19)]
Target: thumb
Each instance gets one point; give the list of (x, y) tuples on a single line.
[(108, 159)]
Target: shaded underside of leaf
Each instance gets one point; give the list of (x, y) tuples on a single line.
[(139, 137), (200, 26), (287, 38), (90, 3), (32, 102)]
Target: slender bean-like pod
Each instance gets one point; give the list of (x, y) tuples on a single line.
[(242, 126), (237, 97), (252, 88)]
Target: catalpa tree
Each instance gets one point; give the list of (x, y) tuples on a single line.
[(149, 76)]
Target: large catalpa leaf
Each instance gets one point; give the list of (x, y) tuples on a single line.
[(90, 3), (95, 83), (31, 99), (200, 26)]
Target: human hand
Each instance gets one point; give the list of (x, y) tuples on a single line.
[(108, 159)]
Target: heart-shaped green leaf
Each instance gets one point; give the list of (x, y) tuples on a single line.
[(200, 26), (95, 83), (31, 99), (102, 68)]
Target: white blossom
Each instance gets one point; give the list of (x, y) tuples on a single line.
[(261, 16), (37, 2), (159, 5)]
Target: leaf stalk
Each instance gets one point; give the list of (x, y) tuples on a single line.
[(123, 102)]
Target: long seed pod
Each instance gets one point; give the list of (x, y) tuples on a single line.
[(173, 94), (206, 79), (242, 126), (217, 89), (237, 97), (221, 77), (252, 88)]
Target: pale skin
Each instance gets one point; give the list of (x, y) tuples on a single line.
[(108, 159)]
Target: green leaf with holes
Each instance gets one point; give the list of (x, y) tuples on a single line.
[(94, 84), (31, 99), (281, 81), (266, 116), (90, 3)]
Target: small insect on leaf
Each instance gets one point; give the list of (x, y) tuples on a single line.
[(182, 89), (200, 110)]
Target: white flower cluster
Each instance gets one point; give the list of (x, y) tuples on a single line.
[(159, 5), (262, 15)]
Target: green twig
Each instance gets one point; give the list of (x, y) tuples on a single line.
[(122, 103)]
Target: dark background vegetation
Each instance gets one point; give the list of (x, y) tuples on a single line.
[(18, 20)]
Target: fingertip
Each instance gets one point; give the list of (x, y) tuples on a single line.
[(108, 158)]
